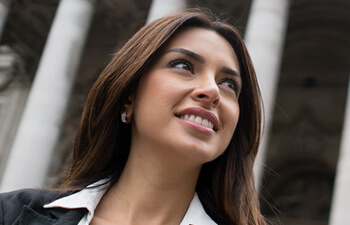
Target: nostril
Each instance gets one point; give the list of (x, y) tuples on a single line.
[(201, 96), (216, 102)]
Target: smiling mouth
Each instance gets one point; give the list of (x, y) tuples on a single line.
[(199, 120)]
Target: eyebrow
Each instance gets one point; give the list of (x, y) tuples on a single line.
[(230, 72), (188, 53)]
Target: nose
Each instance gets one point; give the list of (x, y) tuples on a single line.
[(207, 92)]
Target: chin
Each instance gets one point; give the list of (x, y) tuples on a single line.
[(202, 154)]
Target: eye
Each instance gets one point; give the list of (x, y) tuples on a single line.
[(232, 84), (182, 64)]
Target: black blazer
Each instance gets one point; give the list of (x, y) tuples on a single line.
[(25, 207)]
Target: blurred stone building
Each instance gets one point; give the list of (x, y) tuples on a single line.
[(304, 74)]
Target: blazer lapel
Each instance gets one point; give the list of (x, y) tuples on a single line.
[(71, 217), (54, 216)]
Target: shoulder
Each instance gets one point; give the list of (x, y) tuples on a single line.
[(12, 203)]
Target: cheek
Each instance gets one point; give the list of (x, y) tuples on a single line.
[(235, 117), (155, 96), (154, 86), (147, 93), (231, 115)]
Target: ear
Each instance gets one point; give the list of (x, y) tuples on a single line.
[(129, 106)]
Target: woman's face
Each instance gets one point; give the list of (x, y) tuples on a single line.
[(186, 104)]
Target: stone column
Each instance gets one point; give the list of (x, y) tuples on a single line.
[(4, 9), (341, 196), (160, 8), (264, 38), (14, 87), (39, 129)]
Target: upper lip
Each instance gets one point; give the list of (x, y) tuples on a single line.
[(205, 114)]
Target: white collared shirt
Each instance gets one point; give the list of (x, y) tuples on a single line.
[(90, 197)]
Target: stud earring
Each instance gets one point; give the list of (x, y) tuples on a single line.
[(123, 117)]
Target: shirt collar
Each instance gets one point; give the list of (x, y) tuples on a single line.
[(196, 214), (87, 198), (90, 197)]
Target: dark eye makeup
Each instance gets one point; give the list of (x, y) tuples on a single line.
[(183, 64), (232, 84)]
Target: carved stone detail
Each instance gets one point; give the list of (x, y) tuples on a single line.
[(9, 66)]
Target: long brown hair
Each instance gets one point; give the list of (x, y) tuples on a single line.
[(225, 185)]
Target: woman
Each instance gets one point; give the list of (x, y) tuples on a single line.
[(169, 134)]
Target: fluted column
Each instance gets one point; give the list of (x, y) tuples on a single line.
[(265, 37), (341, 196), (39, 129), (160, 8), (4, 10)]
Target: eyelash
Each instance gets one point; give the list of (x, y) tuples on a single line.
[(186, 62), (233, 84)]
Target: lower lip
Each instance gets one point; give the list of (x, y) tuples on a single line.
[(196, 126)]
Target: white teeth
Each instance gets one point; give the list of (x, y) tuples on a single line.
[(199, 120), (191, 118), (205, 122)]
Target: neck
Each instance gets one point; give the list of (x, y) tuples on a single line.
[(151, 190)]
